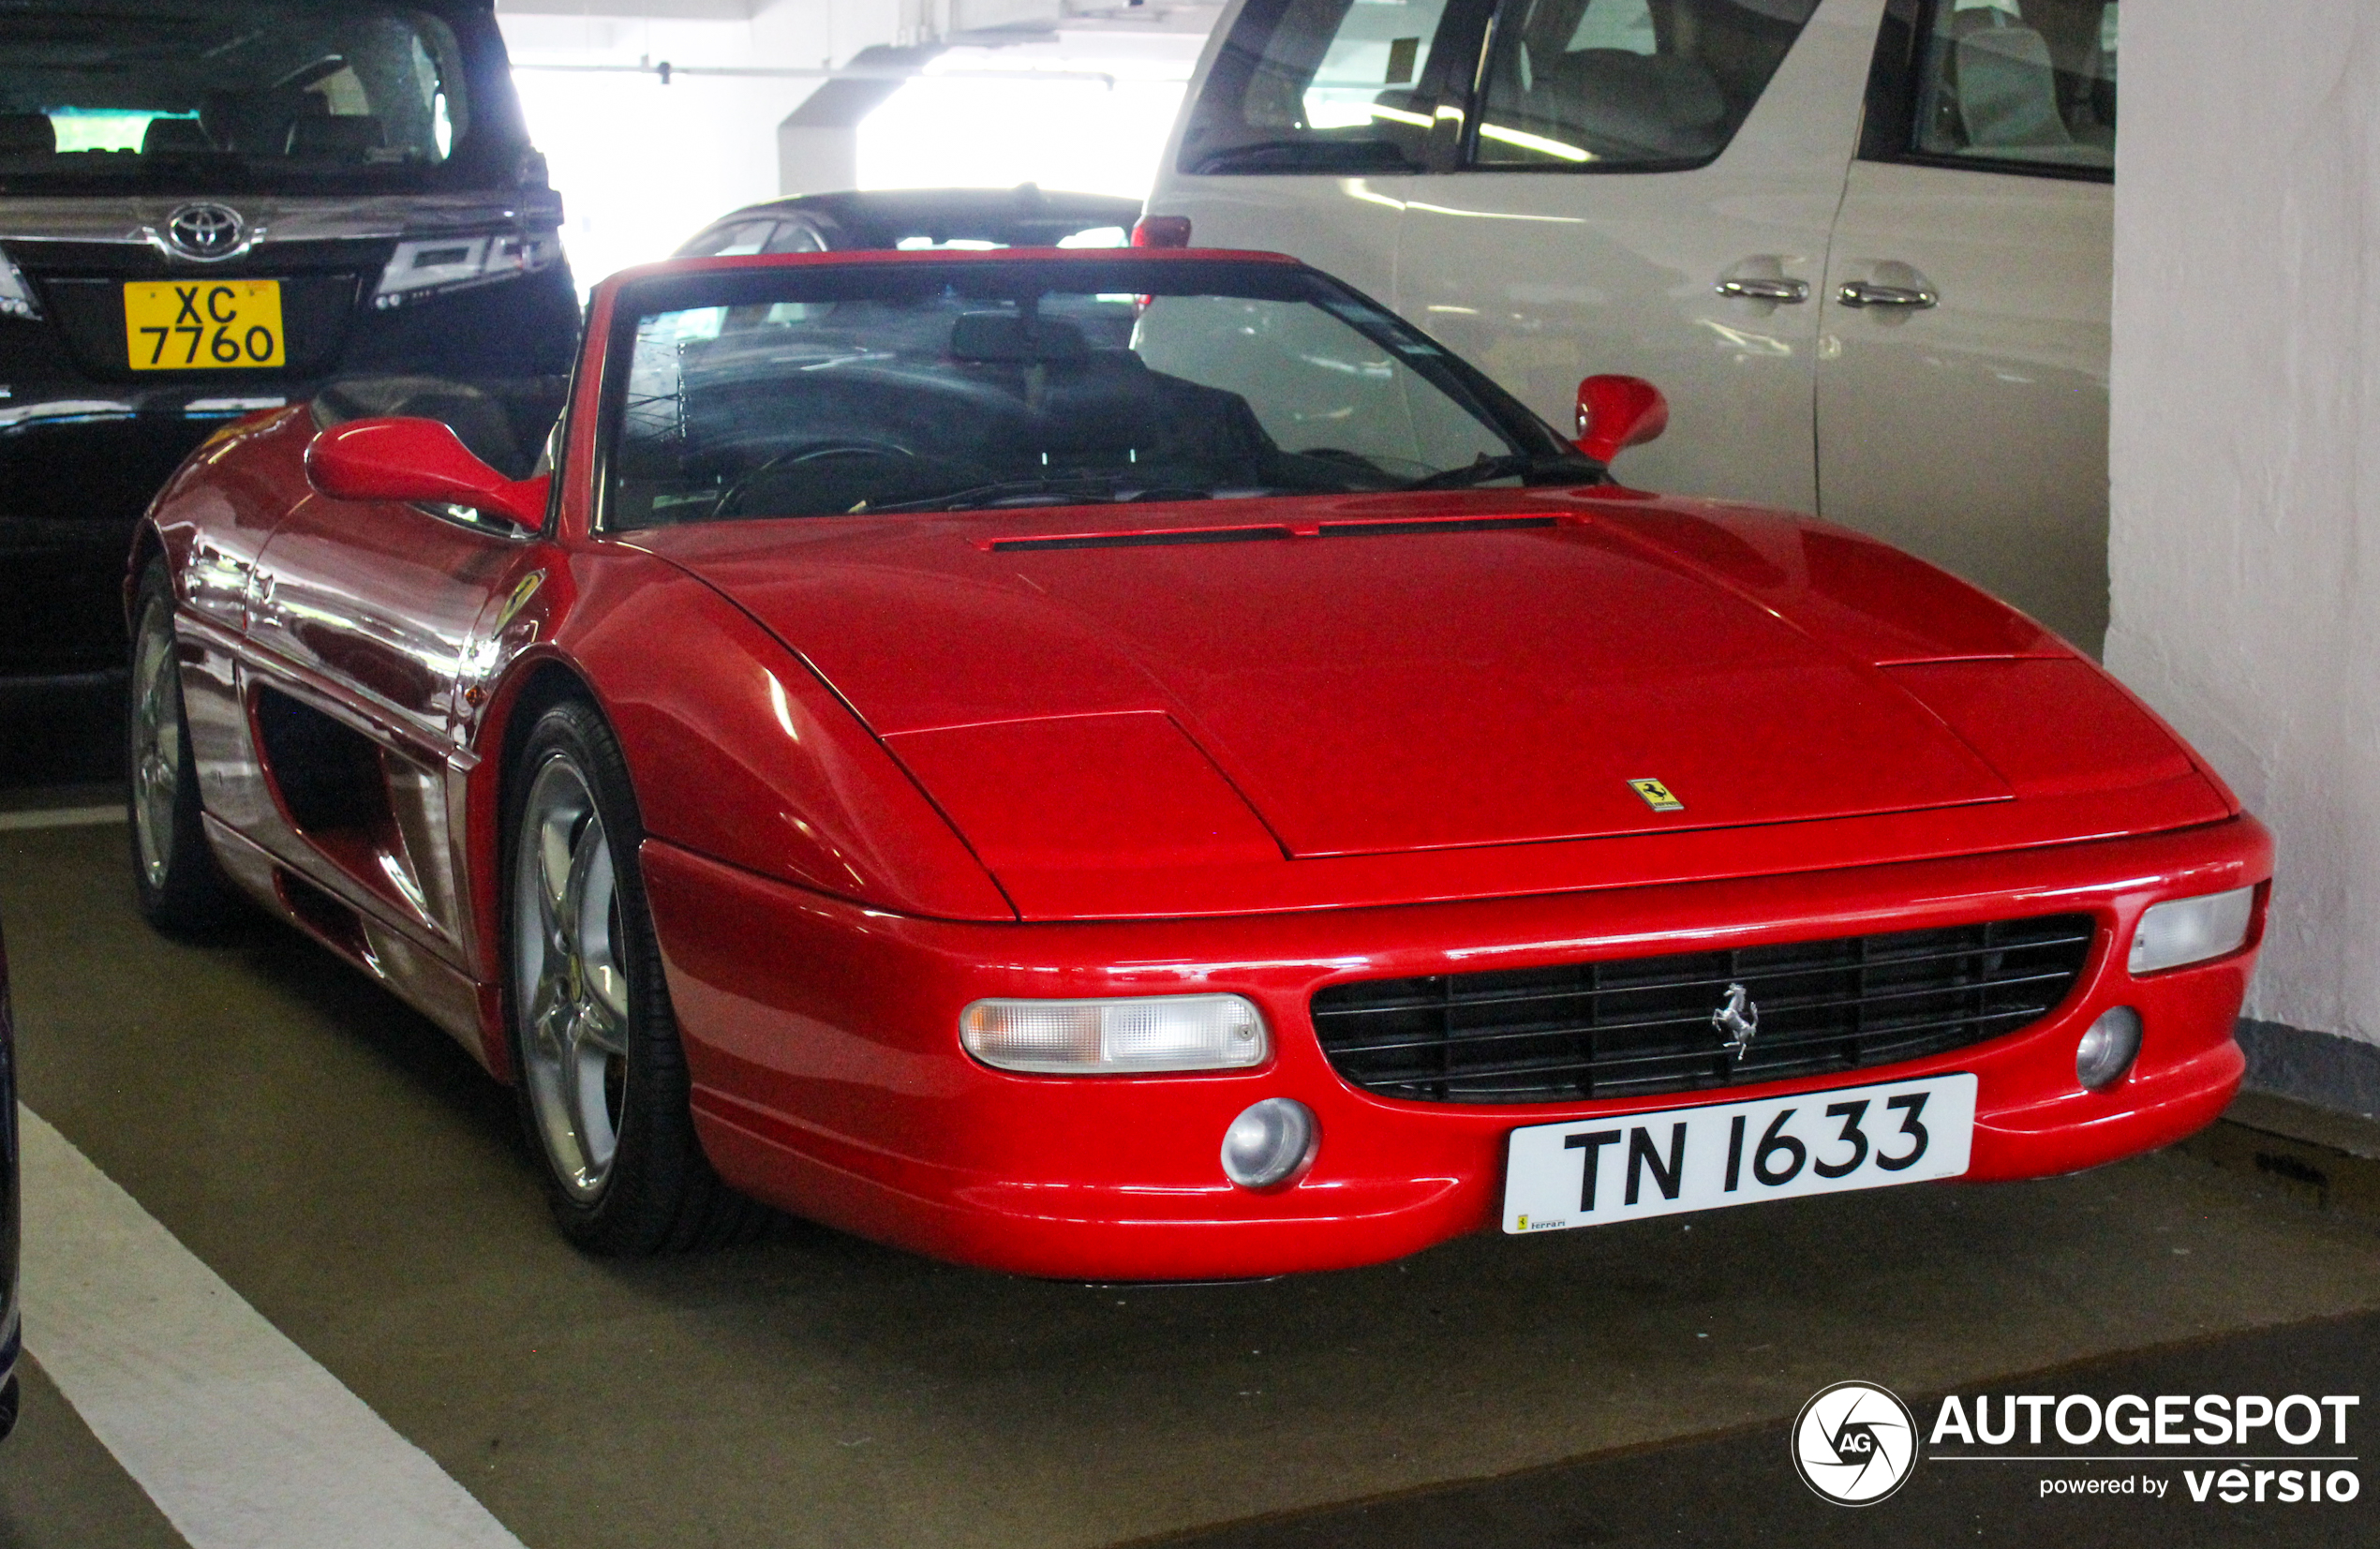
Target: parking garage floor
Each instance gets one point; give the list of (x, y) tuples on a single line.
[(349, 1175)]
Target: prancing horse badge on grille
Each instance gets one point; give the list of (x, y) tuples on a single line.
[(1738, 1020)]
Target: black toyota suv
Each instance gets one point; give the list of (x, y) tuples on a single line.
[(212, 206)]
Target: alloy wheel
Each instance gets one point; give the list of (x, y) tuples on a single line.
[(157, 743), (569, 978)]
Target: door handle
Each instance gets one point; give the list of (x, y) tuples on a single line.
[(1860, 292), (1785, 291)]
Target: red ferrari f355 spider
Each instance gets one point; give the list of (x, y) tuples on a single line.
[(1140, 765)]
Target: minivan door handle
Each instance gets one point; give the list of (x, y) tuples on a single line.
[(1859, 292), (1786, 290), (1761, 277)]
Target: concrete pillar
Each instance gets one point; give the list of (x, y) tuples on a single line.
[(2245, 445)]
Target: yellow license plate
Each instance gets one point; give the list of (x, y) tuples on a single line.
[(203, 325)]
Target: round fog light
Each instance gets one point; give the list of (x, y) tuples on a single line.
[(1268, 1142), (2107, 1049)]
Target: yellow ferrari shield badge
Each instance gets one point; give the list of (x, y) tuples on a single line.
[(1657, 796)]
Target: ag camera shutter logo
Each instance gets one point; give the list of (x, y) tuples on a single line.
[(1854, 1443)]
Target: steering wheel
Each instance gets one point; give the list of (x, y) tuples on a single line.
[(815, 451)]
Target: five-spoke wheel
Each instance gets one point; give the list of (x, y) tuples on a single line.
[(566, 934), (173, 871), (595, 1051)]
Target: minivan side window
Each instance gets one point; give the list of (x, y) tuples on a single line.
[(1317, 86), (1601, 86), (1997, 85)]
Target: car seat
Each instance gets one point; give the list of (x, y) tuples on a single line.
[(174, 137), (323, 136), (253, 123), (2008, 90)]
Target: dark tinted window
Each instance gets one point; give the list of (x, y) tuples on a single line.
[(1598, 85), (2017, 81), (1317, 86), (295, 94)]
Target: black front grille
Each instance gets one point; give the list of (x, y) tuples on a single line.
[(1630, 1027)]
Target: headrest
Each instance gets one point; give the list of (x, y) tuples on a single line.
[(27, 134), (2008, 90), (165, 136), (1006, 336), (348, 136), (253, 123)]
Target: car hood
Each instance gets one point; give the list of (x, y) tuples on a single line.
[(1372, 679)]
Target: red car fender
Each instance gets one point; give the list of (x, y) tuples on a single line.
[(738, 751)]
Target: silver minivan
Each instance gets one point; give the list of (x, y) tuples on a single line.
[(1864, 245)]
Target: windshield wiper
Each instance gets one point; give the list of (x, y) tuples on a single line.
[(1529, 466)]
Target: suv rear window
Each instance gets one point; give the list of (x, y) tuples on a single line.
[(228, 94), (1635, 84)]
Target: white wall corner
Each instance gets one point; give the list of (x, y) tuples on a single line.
[(2244, 440)]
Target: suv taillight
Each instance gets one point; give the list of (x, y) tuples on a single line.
[(16, 296), (1162, 232), (427, 265)]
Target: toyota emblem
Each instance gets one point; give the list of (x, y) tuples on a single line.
[(205, 232)]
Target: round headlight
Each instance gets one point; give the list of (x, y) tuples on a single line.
[(1268, 1142), (2107, 1050)]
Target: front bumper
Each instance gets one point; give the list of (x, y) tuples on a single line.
[(829, 1078)]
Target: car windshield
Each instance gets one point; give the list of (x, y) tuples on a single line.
[(890, 386), (228, 94)]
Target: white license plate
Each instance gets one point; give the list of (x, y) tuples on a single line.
[(1588, 1172)]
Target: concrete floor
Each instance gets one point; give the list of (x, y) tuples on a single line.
[(351, 1174)]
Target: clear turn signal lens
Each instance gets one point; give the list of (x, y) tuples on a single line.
[(2109, 1048), (1125, 1037), (2190, 930)]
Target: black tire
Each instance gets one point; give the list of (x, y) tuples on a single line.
[(655, 1191), (175, 878), (10, 1396)]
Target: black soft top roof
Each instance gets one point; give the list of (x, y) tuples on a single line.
[(1024, 217)]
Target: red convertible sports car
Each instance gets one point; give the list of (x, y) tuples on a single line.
[(1137, 765)]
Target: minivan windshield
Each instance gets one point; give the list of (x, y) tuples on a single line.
[(896, 386), (207, 94)]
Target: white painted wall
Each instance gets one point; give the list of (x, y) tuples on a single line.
[(2245, 445), (1096, 121), (1082, 98), (642, 166)]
